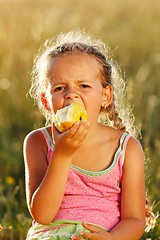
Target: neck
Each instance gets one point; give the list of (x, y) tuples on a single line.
[(93, 134)]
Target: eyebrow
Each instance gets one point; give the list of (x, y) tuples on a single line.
[(52, 84), (64, 82)]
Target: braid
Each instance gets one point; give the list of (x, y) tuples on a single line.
[(150, 216), (114, 117)]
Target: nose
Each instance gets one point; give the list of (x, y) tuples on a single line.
[(71, 94)]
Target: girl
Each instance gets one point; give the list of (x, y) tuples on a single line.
[(88, 182)]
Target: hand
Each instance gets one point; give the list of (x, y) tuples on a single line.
[(69, 141), (96, 233)]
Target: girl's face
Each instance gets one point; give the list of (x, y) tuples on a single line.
[(77, 77)]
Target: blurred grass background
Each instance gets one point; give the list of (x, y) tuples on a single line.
[(131, 28)]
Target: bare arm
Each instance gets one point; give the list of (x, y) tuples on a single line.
[(45, 184), (133, 195)]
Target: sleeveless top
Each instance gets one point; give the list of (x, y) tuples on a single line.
[(93, 197)]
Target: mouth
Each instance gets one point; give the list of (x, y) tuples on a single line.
[(67, 104)]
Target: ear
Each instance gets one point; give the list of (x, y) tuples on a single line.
[(107, 96), (45, 101)]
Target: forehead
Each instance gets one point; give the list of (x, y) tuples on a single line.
[(80, 63)]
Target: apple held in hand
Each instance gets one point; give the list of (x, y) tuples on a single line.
[(67, 116)]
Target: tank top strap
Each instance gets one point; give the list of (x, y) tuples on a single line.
[(49, 143), (127, 137), (46, 136), (123, 143)]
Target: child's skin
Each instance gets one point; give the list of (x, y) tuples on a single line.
[(77, 77)]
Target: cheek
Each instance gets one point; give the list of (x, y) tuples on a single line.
[(93, 111), (57, 103)]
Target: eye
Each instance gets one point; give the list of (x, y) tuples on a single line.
[(59, 88), (85, 86)]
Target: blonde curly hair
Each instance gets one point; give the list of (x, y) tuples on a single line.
[(118, 114)]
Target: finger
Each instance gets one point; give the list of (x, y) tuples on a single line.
[(89, 236), (91, 227), (69, 133), (75, 130), (82, 127), (76, 238), (72, 130), (81, 131)]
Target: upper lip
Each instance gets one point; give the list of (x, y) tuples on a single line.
[(67, 104)]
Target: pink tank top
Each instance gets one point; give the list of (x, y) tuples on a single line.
[(93, 197)]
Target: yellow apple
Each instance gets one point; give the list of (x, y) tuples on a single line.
[(67, 116)]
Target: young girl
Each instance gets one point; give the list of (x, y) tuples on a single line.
[(88, 182)]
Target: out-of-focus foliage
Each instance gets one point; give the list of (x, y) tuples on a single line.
[(131, 28)]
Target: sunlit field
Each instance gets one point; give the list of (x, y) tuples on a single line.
[(132, 30)]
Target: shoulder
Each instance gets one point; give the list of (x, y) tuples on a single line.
[(33, 137), (133, 169), (35, 153), (134, 148), (36, 136), (112, 138), (34, 144), (134, 156)]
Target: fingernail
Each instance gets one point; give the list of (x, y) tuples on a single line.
[(83, 121)]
